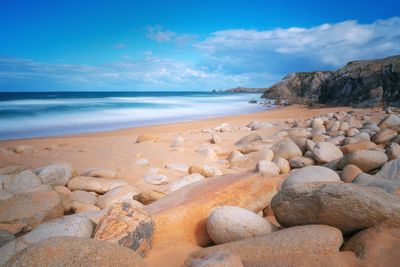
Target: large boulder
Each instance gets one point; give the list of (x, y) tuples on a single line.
[(366, 160), (378, 246), (390, 171), (127, 226), (326, 152), (229, 223), (267, 168), (286, 149), (119, 194), (383, 136), (67, 226), (98, 185), (57, 174), (348, 207), (310, 174), (84, 197), (22, 182), (364, 145), (74, 251), (309, 240), (31, 208), (392, 121), (190, 206)]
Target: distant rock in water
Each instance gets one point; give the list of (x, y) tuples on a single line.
[(245, 90), (367, 83)]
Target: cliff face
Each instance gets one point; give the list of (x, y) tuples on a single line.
[(360, 83)]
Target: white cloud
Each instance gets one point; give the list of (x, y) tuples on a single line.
[(157, 33), (284, 50), (119, 46)]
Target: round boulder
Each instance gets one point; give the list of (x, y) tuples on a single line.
[(366, 160), (326, 152), (311, 174)]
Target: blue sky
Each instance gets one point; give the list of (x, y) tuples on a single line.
[(185, 45)]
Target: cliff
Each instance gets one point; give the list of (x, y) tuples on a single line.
[(245, 90), (365, 83)]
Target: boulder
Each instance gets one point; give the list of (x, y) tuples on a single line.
[(267, 168), (155, 178), (205, 170), (215, 139), (366, 160), (127, 226), (190, 206), (236, 156), (286, 149), (74, 251), (326, 152), (67, 226), (392, 121), (347, 206), (378, 246), (57, 174), (229, 223), (84, 197), (311, 240), (98, 185), (22, 182), (79, 207), (349, 173), (245, 141), (101, 173), (66, 197), (311, 174), (389, 186), (148, 197), (393, 151), (364, 145), (384, 136), (119, 194), (13, 169), (390, 171), (352, 132), (183, 181), (208, 152), (31, 208), (300, 162), (179, 141), (217, 259), (147, 137), (283, 165)]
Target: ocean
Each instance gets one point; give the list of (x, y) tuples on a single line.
[(24, 115)]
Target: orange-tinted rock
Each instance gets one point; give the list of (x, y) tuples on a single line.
[(349, 173), (128, 227), (378, 246), (357, 146), (181, 216), (147, 137), (148, 197)]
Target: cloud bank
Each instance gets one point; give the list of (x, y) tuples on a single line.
[(228, 58)]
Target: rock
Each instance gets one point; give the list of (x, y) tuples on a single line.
[(73, 251), (300, 162), (57, 174), (311, 240), (4, 195), (344, 126), (326, 152), (180, 167), (217, 259), (147, 137), (364, 145), (392, 121), (22, 182), (23, 149), (5, 237), (310, 145), (208, 152), (389, 186), (66, 197), (79, 207), (236, 156), (352, 132), (205, 170), (229, 223), (286, 149), (283, 165), (253, 147), (301, 143), (148, 197), (366, 160), (84, 197), (42, 187), (383, 136), (179, 141), (13, 169), (127, 227), (101, 173), (215, 139), (347, 206), (119, 194), (183, 181), (390, 171), (67, 226), (361, 137), (349, 173), (310, 174), (93, 215), (31, 208), (98, 185), (378, 246), (245, 141), (267, 168), (190, 206), (393, 151)]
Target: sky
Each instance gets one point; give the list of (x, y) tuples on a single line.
[(82, 45)]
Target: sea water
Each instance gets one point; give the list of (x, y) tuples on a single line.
[(24, 115)]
